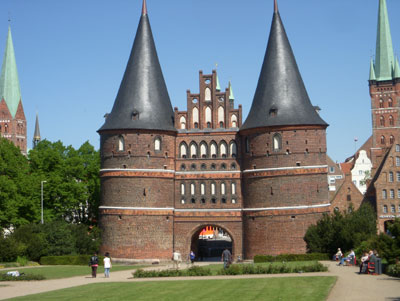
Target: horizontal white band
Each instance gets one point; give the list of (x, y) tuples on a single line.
[(285, 168), (138, 169), (287, 207), (136, 208), (206, 172)]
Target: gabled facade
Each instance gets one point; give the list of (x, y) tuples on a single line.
[(166, 175), (12, 116)]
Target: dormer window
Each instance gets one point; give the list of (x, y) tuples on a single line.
[(273, 112), (135, 115)]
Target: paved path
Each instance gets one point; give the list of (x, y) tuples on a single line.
[(349, 286)]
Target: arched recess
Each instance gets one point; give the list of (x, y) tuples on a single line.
[(183, 150), (234, 121), (208, 241), (221, 115), (203, 150), (208, 116), (213, 149), (193, 150), (195, 117), (223, 149), (207, 94), (233, 149), (182, 121)]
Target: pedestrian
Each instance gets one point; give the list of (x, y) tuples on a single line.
[(226, 258), (176, 259), (192, 256), (94, 263), (107, 265)]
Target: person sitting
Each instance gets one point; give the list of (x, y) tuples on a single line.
[(364, 263), (338, 255), (349, 258)]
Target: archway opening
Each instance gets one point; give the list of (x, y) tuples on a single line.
[(209, 241), (386, 226)]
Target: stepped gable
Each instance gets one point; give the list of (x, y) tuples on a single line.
[(142, 101), (281, 98)]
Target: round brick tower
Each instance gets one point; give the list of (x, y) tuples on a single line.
[(137, 159), (284, 156)]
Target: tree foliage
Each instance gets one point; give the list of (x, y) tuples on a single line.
[(341, 230), (71, 191)]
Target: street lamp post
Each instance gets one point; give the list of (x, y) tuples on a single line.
[(41, 203)]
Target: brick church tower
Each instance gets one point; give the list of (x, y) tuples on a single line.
[(137, 145), (284, 155), (12, 116)]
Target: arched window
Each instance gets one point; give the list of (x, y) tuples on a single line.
[(391, 139), (393, 208), (213, 188), (397, 147), (223, 188), (383, 140), (213, 149), (391, 176), (182, 189), (277, 142), (397, 161), (221, 116), (234, 121), (391, 193), (381, 103), (390, 103), (192, 189), (195, 117), (203, 189), (182, 120), (233, 149), (207, 94), (223, 149), (385, 209), (183, 150), (203, 150), (157, 144), (382, 121), (208, 116), (121, 144), (384, 194), (391, 120), (193, 150), (233, 188), (6, 128)]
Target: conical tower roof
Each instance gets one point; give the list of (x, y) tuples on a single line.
[(384, 56), (36, 134), (281, 97), (9, 82), (142, 101)]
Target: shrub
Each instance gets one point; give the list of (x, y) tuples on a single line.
[(291, 257), (5, 277), (22, 261), (248, 269), (68, 260), (192, 271), (393, 270)]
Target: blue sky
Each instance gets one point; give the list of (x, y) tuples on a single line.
[(71, 56)]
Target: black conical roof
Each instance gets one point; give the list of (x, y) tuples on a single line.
[(281, 97), (142, 101)]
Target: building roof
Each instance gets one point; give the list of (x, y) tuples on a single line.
[(281, 97), (231, 96), (142, 101), (346, 167), (36, 134), (9, 82), (384, 56)]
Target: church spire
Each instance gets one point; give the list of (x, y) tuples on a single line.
[(142, 101), (372, 75), (384, 57), (281, 97), (9, 82), (231, 96), (36, 135)]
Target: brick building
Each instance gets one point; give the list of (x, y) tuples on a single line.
[(12, 116), (166, 174)]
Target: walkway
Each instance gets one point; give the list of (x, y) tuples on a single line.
[(350, 285)]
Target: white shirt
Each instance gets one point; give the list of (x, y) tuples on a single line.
[(107, 262)]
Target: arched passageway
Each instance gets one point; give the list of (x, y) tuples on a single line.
[(209, 241)]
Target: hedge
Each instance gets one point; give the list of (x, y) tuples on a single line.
[(192, 271), (5, 277), (291, 257), (393, 270), (251, 269), (68, 260)]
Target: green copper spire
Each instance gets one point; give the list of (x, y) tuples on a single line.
[(9, 83), (231, 96), (396, 73), (384, 58), (372, 71), (218, 88)]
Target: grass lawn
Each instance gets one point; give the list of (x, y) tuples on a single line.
[(288, 288), (65, 271)]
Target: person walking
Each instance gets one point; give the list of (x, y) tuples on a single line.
[(176, 259), (192, 256), (226, 258), (107, 265), (94, 263)]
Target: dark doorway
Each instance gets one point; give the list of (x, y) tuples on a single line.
[(209, 242)]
